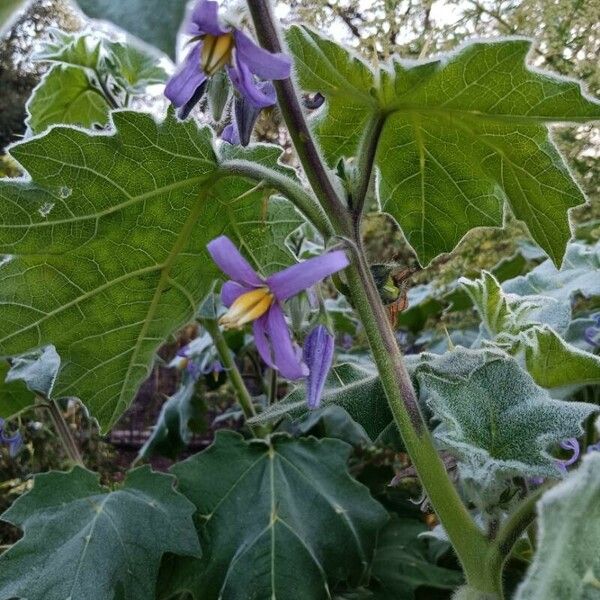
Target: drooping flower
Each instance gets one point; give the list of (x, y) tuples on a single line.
[(573, 445), (252, 298), (318, 356), (216, 46), (14, 442), (245, 115)]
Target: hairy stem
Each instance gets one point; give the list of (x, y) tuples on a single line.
[(366, 160), (226, 358), (293, 114), (514, 527), (468, 540), (63, 431), (305, 202)]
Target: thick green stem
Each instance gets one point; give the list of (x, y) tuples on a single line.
[(514, 527), (288, 99), (226, 358), (306, 203), (469, 541), (365, 161)]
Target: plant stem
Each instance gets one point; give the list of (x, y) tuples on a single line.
[(293, 114), (63, 431), (516, 524), (306, 203), (468, 540), (226, 358), (366, 160)]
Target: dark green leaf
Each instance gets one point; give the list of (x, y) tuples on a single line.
[(277, 519), (84, 542), (14, 396), (401, 564), (356, 390)]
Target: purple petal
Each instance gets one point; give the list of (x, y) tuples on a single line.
[(284, 351), (573, 445), (232, 290), (230, 134), (318, 356), (293, 280), (180, 89), (261, 340), (265, 64), (232, 263), (246, 113), (243, 81), (205, 19), (592, 336)]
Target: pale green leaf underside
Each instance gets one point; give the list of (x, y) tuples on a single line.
[(108, 244), (494, 417), (461, 137), (83, 542), (567, 561), (282, 519), (66, 95)]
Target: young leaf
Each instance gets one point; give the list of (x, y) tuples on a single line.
[(494, 418), (553, 363), (66, 95), (579, 274), (71, 49), (400, 564), (567, 561), (506, 315), (462, 136), (133, 68), (153, 21), (83, 541), (108, 247), (280, 518)]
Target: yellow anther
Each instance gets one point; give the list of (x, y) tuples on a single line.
[(216, 52), (247, 307)]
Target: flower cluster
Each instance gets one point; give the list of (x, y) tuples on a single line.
[(252, 298), (197, 358), (250, 68)]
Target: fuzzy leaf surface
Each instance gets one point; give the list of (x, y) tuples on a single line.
[(85, 542), (494, 418), (567, 561)]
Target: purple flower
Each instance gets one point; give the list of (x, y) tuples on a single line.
[(245, 116), (592, 334), (14, 442), (197, 358), (593, 448), (250, 297), (318, 356), (216, 47), (573, 445)]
